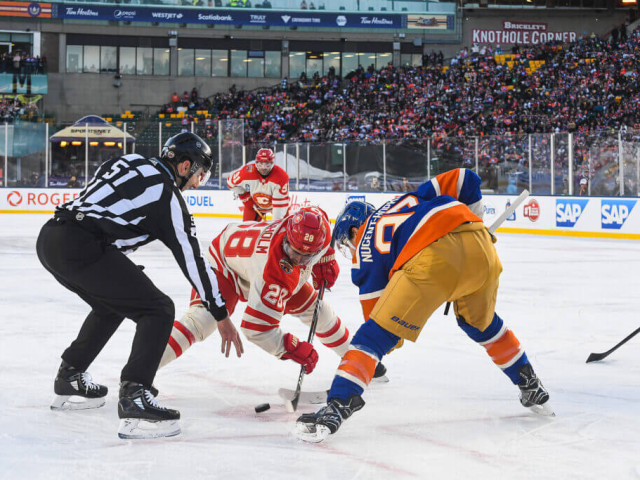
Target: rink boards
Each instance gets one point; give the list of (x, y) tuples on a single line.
[(602, 217)]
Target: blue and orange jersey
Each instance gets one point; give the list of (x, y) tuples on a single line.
[(461, 183), (396, 232)]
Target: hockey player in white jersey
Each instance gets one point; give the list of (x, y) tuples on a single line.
[(268, 265), (262, 186)]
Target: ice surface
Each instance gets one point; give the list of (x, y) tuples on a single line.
[(447, 412)]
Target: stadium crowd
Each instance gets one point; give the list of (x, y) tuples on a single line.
[(590, 86)]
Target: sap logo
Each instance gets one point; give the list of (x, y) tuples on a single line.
[(355, 198), (532, 210), (615, 212), (404, 324), (489, 209), (568, 211)]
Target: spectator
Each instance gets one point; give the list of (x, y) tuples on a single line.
[(584, 184), (175, 98), (303, 5), (73, 182)]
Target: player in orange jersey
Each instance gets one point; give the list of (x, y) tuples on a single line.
[(409, 257)]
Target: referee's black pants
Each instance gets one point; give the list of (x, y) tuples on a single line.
[(115, 288)]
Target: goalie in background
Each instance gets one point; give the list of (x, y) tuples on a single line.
[(409, 257), (263, 188)]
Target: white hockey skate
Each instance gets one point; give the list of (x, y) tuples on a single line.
[(142, 417), (76, 390)]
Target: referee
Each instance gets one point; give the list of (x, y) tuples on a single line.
[(130, 202)]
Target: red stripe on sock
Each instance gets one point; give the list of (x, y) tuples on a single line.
[(175, 346), (185, 331)]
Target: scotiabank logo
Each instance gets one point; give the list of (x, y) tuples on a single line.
[(14, 198), (39, 199), (532, 210)]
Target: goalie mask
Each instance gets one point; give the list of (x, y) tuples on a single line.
[(188, 146), (265, 159)]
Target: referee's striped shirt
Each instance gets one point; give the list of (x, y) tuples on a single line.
[(132, 201)]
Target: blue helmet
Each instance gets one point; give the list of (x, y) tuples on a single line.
[(354, 214)]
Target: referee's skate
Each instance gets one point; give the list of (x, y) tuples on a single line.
[(75, 390), (142, 417)]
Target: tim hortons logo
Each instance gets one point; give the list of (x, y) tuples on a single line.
[(14, 198)]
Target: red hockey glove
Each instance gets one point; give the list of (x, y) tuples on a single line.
[(326, 269), (301, 352)]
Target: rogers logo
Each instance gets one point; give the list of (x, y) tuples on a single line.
[(532, 210), (14, 198)]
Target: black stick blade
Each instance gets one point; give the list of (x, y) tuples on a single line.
[(595, 357)]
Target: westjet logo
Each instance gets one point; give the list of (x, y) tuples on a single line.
[(613, 213)]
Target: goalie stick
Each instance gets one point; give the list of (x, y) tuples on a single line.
[(594, 357), (499, 221)]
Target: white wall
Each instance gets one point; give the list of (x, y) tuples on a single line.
[(566, 216)]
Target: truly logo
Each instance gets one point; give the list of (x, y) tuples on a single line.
[(568, 211), (613, 213)]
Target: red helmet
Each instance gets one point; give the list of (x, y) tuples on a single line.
[(265, 155), (306, 232)]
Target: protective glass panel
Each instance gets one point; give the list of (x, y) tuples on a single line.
[(144, 61), (161, 61), (230, 142), (185, 62), (91, 60), (296, 64), (74, 58), (109, 59), (407, 164), (255, 67), (349, 63), (331, 63), (219, 63), (238, 63), (203, 63), (127, 60), (272, 64)]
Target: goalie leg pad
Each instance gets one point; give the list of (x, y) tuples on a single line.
[(136, 428)]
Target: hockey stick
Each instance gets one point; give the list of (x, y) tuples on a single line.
[(499, 221), (594, 357), (292, 405)]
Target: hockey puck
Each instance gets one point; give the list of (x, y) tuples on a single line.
[(263, 407)]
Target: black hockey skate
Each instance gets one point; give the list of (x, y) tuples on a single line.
[(380, 375), (532, 394), (315, 427), (75, 390), (142, 417)]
